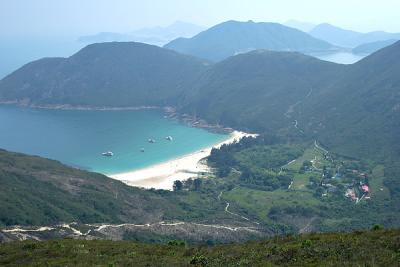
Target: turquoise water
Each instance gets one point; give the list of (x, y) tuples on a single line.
[(78, 138)]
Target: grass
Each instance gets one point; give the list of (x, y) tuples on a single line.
[(376, 183), (260, 202), (300, 181), (371, 248)]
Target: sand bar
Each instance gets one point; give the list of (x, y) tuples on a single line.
[(163, 175)]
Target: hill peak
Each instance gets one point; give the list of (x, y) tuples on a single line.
[(234, 37)]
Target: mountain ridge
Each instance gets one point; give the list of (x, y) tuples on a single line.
[(151, 35), (233, 37), (349, 38), (124, 68)]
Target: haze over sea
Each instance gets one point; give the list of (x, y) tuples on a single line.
[(78, 138)]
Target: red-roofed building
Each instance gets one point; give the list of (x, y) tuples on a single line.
[(365, 188)]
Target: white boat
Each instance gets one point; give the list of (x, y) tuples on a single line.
[(169, 138), (108, 154), (152, 141)]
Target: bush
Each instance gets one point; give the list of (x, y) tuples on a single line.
[(199, 260), (377, 227), (178, 243), (306, 243)]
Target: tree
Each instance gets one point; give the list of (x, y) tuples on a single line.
[(197, 184), (306, 165), (223, 171), (377, 227), (178, 185)]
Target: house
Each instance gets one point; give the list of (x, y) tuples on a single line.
[(365, 188), (351, 194)]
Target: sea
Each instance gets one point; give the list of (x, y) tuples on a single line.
[(79, 137), (340, 57)]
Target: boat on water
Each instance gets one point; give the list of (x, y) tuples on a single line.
[(151, 141), (142, 150), (169, 138), (108, 154)]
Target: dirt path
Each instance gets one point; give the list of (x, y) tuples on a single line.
[(232, 213)]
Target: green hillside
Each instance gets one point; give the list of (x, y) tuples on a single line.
[(106, 74), (234, 37), (261, 187), (37, 191), (374, 248), (359, 114), (255, 91), (352, 109)]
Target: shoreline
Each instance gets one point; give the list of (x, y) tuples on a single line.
[(169, 111), (163, 175), (81, 108)]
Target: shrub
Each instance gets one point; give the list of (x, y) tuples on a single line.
[(377, 227), (176, 243), (199, 260)]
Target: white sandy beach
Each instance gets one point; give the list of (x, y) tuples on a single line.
[(163, 175)]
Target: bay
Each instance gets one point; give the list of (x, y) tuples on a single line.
[(77, 138)]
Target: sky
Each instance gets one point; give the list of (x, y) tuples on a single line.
[(23, 18)]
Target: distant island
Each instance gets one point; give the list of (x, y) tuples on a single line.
[(155, 36)]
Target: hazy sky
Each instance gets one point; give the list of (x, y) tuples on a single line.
[(76, 17)]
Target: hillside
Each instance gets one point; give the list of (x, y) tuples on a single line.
[(370, 48), (253, 194), (377, 248), (37, 191), (347, 38), (359, 114), (345, 107), (255, 91), (233, 37), (64, 202), (107, 74)]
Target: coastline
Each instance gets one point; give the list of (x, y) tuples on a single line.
[(163, 175), (78, 107), (170, 112)]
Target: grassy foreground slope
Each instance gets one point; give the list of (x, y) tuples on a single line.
[(38, 191), (375, 248)]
